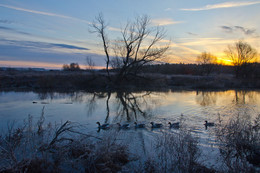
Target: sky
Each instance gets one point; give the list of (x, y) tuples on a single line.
[(50, 33)]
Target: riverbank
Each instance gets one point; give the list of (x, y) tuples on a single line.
[(83, 80)]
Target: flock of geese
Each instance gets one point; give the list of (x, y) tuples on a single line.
[(175, 125)]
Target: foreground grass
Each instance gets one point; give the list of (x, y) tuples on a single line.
[(59, 148), (40, 147), (240, 137)]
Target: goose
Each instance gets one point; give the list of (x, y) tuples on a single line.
[(103, 126), (123, 126), (139, 125), (209, 123), (174, 125), (156, 125)]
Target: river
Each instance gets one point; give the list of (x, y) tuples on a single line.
[(191, 108)]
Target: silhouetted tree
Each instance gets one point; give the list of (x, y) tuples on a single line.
[(241, 55), (207, 62), (139, 45), (71, 67), (90, 63)]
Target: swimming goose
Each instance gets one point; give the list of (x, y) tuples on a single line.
[(156, 125), (209, 123), (139, 125), (174, 125), (123, 126), (103, 126)]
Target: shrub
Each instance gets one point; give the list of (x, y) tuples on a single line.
[(241, 143), (57, 148), (174, 153)]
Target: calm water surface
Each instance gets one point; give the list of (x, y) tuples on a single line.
[(192, 108)]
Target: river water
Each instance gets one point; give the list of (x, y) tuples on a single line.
[(191, 108)]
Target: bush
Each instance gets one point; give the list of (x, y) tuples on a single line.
[(241, 143), (59, 148), (174, 153)]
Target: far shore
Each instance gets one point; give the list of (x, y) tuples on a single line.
[(97, 81)]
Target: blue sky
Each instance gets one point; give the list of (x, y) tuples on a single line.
[(50, 33)]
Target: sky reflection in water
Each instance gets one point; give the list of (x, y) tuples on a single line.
[(191, 108)]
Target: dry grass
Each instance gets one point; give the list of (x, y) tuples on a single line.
[(59, 148), (174, 152), (41, 147), (241, 143)]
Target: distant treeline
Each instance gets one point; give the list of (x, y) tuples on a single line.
[(175, 76), (252, 70), (187, 69)]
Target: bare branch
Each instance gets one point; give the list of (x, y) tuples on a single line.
[(99, 27), (139, 45), (241, 54)]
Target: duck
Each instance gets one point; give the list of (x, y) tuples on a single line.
[(103, 126), (156, 125), (174, 125), (140, 125), (209, 123), (123, 126)]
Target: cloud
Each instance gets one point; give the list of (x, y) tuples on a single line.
[(43, 13), (168, 9), (38, 64), (193, 34), (20, 53), (245, 30), (67, 46), (13, 30), (40, 45), (207, 41), (6, 21), (222, 5), (5, 28), (165, 21), (33, 64), (227, 28), (231, 29)]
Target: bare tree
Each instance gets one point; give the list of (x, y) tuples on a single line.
[(99, 26), (90, 63), (207, 62), (138, 46), (241, 55)]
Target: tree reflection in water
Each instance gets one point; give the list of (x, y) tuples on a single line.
[(126, 106), (206, 98), (130, 105)]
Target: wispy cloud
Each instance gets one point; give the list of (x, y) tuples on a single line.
[(6, 21), (43, 13), (231, 29), (165, 21), (67, 46), (37, 64), (222, 5), (227, 28), (193, 34), (245, 30), (168, 9), (34, 64), (41, 45), (13, 30), (207, 41)]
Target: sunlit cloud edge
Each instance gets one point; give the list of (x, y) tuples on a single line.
[(222, 5)]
